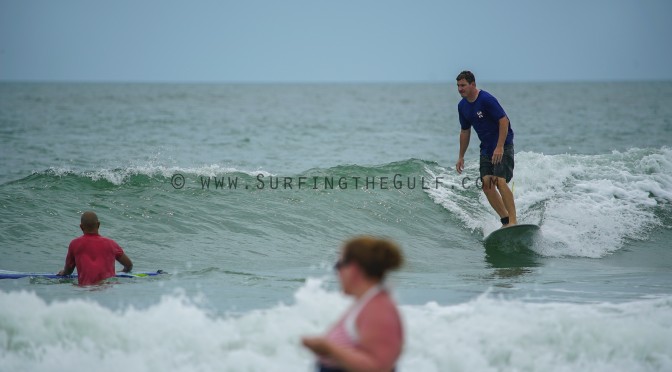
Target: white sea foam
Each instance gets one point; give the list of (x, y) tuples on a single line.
[(587, 205), (484, 334)]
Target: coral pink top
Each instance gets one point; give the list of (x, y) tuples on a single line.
[(344, 333)]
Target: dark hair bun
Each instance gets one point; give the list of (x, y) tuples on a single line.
[(376, 256)]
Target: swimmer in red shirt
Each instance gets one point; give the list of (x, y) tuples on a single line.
[(93, 255)]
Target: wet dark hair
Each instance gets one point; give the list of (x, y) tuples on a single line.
[(375, 256), (466, 75)]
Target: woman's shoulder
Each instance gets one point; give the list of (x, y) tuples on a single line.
[(380, 320), (382, 308)]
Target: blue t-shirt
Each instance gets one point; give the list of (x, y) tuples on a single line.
[(484, 114)]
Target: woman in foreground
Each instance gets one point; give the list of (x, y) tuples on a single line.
[(369, 336)]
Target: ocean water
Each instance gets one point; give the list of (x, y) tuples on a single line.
[(244, 193)]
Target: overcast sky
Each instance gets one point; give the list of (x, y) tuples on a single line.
[(334, 40)]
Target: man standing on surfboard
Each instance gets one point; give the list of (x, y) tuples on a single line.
[(480, 110)]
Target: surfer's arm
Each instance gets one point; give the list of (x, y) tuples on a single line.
[(124, 260), (69, 266), (67, 270), (465, 135), (503, 132)]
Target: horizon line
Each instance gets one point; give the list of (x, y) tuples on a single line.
[(321, 82)]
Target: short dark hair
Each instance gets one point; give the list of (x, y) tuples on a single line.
[(89, 221), (466, 75)]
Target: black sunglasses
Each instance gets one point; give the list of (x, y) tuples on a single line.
[(339, 264)]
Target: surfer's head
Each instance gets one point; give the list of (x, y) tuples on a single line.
[(89, 222), (466, 85), (374, 257)]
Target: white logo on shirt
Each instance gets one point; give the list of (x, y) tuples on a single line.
[(480, 114)]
